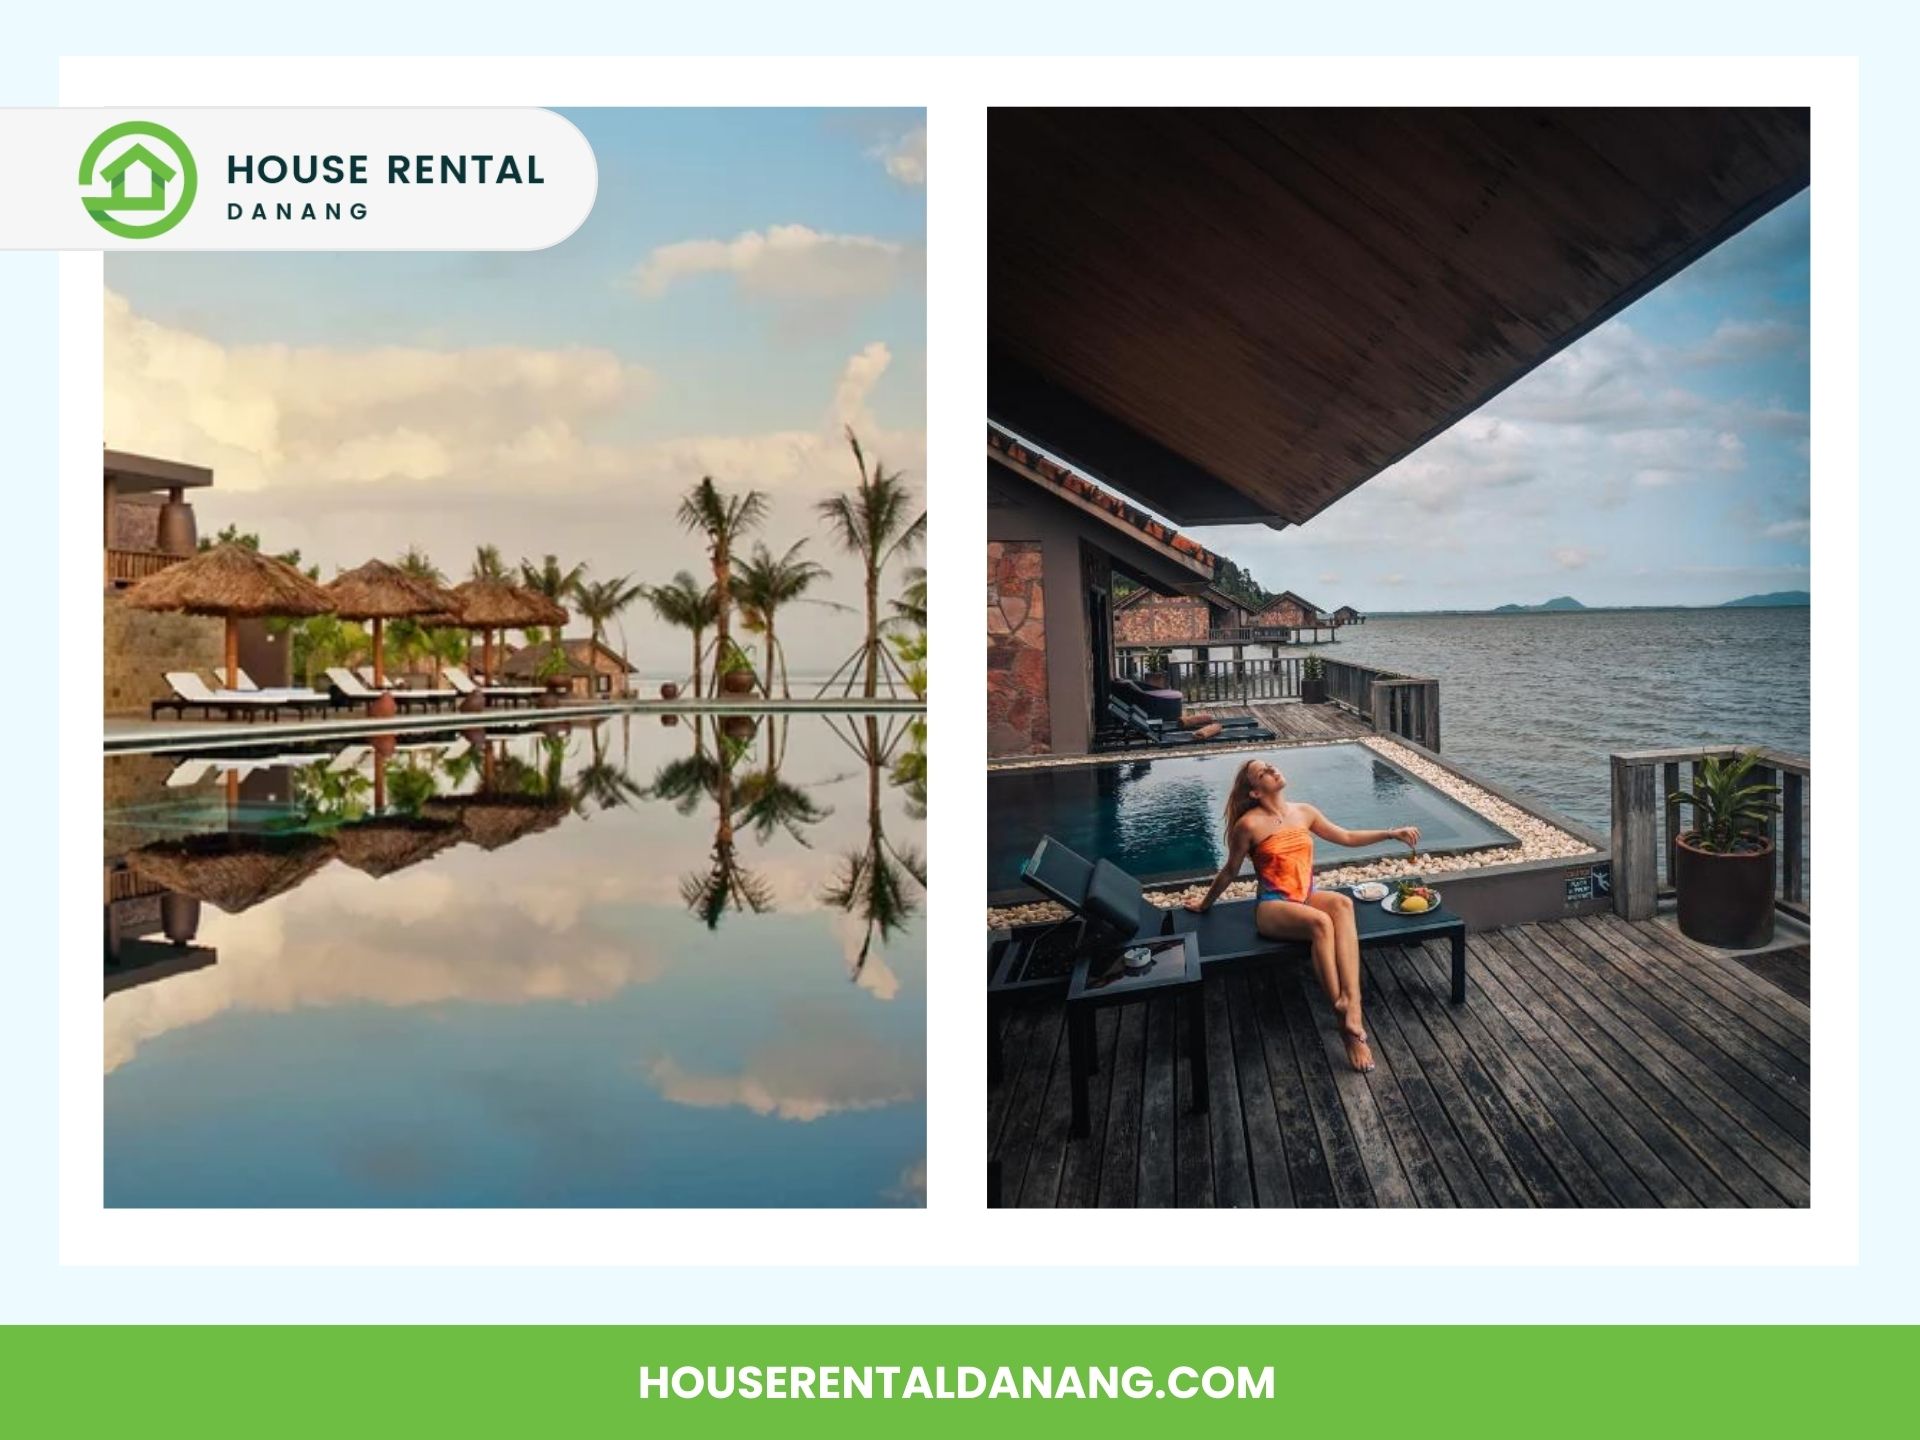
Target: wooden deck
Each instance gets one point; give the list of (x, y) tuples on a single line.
[(1290, 720), (1595, 1063)]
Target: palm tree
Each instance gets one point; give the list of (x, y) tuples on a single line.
[(875, 883), (723, 519), (487, 564), (871, 522), (416, 564), (600, 601), (763, 583), (911, 607), (689, 605)]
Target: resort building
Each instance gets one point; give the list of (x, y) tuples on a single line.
[(1301, 618), (1347, 615), (1055, 542), (150, 524), (593, 670)]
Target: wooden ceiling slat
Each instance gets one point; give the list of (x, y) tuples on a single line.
[(1291, 300)]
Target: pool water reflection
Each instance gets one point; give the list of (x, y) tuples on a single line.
[(624, 964)]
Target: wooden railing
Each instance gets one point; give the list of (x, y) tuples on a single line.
[(128, 567), (1648, 797), (1407, 706), (1404, 705), (1222, 682)]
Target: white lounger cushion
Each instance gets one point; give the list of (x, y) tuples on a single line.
[(291, 692), (191, 688), (351, 685)]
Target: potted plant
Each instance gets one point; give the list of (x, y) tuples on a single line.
[(551, 672), (736, 671), (1313, 680), (1723, 867)]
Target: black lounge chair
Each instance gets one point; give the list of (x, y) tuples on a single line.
[(1136, 726), (1110, 901)]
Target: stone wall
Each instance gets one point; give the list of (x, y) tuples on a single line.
[(1285, 612), (133, 783), (1018, 722), (142, 645), (136, 522), (1162, 620)]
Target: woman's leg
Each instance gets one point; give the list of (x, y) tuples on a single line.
[(1338, 908), (1284, 920)]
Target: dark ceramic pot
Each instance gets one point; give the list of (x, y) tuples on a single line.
[(669, 691), (1314, 692), (737, 682), (1724, 900)]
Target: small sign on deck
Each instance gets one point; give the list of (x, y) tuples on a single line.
[(1592, 882)]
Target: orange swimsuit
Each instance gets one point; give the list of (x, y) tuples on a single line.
[(1284, 862)]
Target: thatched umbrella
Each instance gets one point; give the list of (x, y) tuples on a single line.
[(381, 592), (234, 583), (234, 872), (490, 605), (491, 821), (393, 842)]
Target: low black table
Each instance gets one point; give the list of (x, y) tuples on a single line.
[(1102, 979), (1227, 936)]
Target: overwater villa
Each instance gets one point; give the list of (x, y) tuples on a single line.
[(1238, 317)]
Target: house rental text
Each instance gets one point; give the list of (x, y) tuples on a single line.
[(401, 169), (353, 170)]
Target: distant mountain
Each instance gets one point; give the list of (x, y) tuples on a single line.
[(1559, 602), (1773, 599)]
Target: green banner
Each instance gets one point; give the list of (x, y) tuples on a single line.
[(578, 1380)]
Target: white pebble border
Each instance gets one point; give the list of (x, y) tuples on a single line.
[(1537, 841)]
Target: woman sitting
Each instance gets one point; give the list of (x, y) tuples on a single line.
[(1278, 834)]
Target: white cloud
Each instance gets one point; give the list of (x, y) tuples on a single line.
[(905, 158), (339, 414), (836, 1069), (1572, 557), (782, 263)]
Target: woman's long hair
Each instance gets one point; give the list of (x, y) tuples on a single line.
[(1240, 799)]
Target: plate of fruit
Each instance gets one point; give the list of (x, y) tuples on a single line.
[(1411, 897)]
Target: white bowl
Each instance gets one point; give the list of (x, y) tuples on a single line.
[(1370, 890)]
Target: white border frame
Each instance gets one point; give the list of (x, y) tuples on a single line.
[(956, 1229)]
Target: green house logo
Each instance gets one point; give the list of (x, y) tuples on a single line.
[(150, 182)]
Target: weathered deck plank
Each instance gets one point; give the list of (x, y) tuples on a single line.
[(1596, 1063)]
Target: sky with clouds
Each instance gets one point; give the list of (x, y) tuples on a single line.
[(749, 282), (1662, 459)]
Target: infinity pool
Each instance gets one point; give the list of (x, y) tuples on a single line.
[(1161, 818), (624, 964)]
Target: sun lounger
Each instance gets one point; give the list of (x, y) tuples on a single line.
[(356, 691), (1138, 727), (299, 695), (501, 694), (392, 682), (348, 759), (1115, 911), (188, 773), (190, 692)]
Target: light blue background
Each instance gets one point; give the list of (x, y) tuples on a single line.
[(33, 1288)]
